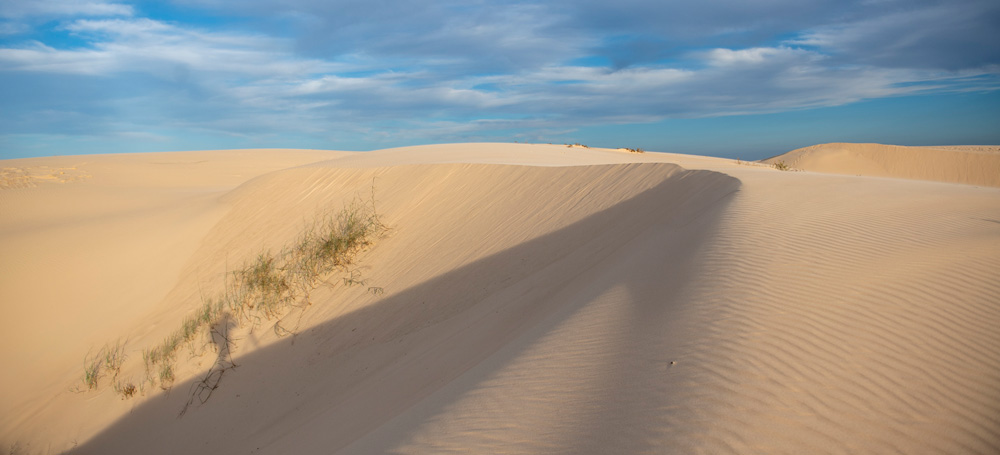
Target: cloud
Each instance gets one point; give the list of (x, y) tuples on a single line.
[(163, 50), (955, 35), (62, 8)]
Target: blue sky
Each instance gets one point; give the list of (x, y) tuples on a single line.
[(719, 77)]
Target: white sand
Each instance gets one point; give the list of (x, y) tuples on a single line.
[(538, 299), (968, 164)]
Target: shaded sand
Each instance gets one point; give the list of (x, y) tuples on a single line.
[(537, 299), (968, 164)]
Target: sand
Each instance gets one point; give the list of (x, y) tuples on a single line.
[(968, 164), (527, 299)]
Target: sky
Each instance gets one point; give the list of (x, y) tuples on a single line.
[(727, 78)]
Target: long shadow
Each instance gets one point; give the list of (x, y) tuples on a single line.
[(339, 380)]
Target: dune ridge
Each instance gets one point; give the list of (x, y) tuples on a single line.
[(545, 299), (969, 164)]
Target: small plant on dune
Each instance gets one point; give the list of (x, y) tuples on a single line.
[(166, 374), (354, 279), (781, 166), (91, 371), (148, 363), (267, 287), (114, 356), (125, 389), (635, 150)]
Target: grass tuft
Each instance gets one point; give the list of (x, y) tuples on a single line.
[(114, 357), (91, 371), (781, 166), (125, 389), (166, 374)]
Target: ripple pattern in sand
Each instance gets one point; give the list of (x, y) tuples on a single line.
[(840, 326)]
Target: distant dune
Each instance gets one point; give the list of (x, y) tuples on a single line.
[(526, 299), (968, 164)]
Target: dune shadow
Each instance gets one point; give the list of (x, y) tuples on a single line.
[(323, 385)]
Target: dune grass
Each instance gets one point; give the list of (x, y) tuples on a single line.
[(261, 289), (114, 356), (109, 359), (91, 372), (782, 166)]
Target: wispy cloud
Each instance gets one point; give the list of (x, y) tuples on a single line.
[(64, 8), (953, 35)]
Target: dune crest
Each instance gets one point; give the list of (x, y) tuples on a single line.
[(970, 165), (527, 299)]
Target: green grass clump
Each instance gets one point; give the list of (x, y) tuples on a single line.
[(166, 374), (91, 371), (109, 359), (781, 166), (114, 357)]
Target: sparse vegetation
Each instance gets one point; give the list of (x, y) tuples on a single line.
[(261, 289), (109, 359), (114, 357), (635, 150), (91, 371), (126, 389), (781, 166), (577, 144), (166, 374)]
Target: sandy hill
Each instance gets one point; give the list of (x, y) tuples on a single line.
[(525, 299), (968, 164)]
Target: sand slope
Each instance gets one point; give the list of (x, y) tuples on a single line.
[(971, 165), (538, 299)]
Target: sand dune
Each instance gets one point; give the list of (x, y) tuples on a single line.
[(970, 164), (535, 299)]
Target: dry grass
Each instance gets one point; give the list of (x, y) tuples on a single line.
[(125, 388), (261, 289)]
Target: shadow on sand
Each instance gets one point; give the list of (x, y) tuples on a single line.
[(332, 384)]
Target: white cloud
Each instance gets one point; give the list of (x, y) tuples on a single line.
[(62, 8), (120, 27), (161, 49), (36, 56), (756, 56)]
